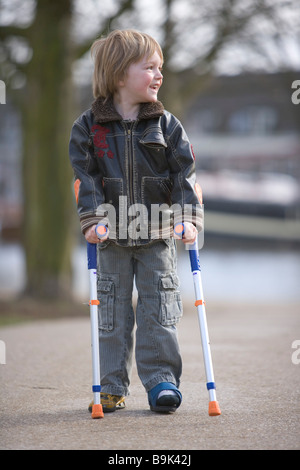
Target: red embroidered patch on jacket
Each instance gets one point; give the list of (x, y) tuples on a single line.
[(99, 138)]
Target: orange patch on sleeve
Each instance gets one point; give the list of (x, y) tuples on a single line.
[(76, 189), (199, 192)]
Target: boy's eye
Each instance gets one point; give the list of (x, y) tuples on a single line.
[(151, 67)]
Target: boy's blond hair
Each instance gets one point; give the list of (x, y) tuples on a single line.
[(114, 54)]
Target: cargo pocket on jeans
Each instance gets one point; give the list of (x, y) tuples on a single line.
[(106, 307), (170, 300)]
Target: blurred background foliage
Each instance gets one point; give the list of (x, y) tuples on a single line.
[(46, 66)]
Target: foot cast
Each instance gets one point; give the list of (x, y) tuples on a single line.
[(163, 398)]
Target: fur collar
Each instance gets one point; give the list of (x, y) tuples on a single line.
[(104, 111)]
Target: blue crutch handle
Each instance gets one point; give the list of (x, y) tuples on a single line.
[(193, 249), (101, 230), (194, 256), (92, 255), (179, 229)]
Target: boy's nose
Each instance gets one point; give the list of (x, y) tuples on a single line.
[(158, 74)]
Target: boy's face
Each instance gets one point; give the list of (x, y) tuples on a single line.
[(143, 80)]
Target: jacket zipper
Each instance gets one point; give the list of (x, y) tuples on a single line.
[(129, 128), (130, 165)]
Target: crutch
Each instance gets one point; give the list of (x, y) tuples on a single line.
[(97, 411), (213, 407)]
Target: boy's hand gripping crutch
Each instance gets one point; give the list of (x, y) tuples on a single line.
[(97, 411), (213, 407)]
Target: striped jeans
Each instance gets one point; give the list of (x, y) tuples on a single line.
[(158, 309)]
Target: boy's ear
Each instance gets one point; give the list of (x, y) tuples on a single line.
[(122, 79)]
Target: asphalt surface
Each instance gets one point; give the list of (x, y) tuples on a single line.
[(46, 381)]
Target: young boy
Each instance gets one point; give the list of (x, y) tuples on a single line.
[(134, 170)]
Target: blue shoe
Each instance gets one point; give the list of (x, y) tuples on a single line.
[(163, 402)]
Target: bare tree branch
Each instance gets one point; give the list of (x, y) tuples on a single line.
[(124, 6)]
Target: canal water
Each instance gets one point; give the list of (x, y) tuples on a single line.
[(239, 273)]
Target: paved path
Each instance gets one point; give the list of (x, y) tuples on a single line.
[(45, 387)]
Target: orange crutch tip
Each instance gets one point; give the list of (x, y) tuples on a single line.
[(214, 408), (97, 412)]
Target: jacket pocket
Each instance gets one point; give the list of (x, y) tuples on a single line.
[(153, 147), (106, 290), (156, 190), (153, 138), (170, 300), (156, 197), (113, 188)]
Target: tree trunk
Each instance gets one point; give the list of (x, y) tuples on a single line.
[(47, 172)]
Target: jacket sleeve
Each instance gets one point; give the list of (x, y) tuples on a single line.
[(186, 192), (88, 180)]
